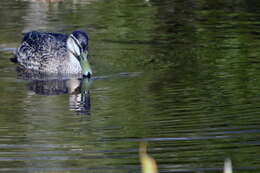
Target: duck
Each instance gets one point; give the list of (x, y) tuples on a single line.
[(54, 53)]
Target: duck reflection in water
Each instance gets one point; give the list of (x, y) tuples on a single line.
[(77, 88)]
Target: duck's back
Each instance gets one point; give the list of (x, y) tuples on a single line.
[(40, 51)]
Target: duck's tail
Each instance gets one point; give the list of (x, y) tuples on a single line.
[(14, 59)]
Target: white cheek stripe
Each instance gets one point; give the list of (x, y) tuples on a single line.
[(72, 47), (77, 43)]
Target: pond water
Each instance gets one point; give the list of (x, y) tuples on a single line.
[(182, 75)]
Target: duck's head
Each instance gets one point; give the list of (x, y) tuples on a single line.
[(77, 45)]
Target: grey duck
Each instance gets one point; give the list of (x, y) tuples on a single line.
[(54, 53)]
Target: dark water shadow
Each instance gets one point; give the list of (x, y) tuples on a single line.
[(78, 90), (76, 87)]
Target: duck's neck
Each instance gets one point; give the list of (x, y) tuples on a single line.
[(73, 59), (73, 64)]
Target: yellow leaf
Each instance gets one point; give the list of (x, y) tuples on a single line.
[(147, 162)]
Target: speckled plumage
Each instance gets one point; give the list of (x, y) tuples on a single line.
[(47, 53)]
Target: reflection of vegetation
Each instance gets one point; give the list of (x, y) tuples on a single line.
[(201, 79), (11, 22)]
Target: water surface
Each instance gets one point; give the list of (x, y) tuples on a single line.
[(182, 75)]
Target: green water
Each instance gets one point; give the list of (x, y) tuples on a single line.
[(182, 75)]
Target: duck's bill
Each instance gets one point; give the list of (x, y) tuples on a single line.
[(86, 69)]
